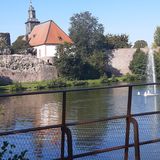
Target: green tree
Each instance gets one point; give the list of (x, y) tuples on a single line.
[(157, 36), (20, 44), (72, 66), (85, 59), (99, 60), (139, 63), (140, 44), (157, 64), (117, 41), (86, 33)]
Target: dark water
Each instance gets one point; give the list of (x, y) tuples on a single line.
[(41, 110)]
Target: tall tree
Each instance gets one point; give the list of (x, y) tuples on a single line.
[(117, 41), (157, 36), (139, 63), (86, 33), (72, 66), (87, 58), (140, 44), (157, 64)]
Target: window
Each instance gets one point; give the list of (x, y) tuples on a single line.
[(60, 38)]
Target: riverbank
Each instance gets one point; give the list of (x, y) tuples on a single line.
[(61, 83)]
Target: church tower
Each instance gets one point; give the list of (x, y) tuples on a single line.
[(32, 20)]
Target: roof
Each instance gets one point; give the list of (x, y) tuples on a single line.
[(48, 33)]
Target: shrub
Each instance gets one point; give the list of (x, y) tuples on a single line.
[(8, 150), (113, 79), (57, 83), (104, 79), (39, 86), (130, 78), (16, 87), (80, 83)]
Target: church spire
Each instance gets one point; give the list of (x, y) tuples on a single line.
[(30, 2), (32, 20)]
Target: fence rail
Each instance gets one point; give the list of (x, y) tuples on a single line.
[(66, 133)]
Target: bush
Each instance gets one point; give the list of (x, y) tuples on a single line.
[(80, 83), (8, 150), (130, 78), (104, 79), (57, 83), (113, 79), (39, 86), (16, 87)]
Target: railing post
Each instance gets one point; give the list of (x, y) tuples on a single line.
[(69, 143), (136, 138), (63, 125), (128, 122)]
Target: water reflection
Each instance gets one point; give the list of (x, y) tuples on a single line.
[(30, 111), (42, 110)]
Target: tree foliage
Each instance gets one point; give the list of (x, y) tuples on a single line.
[(20, 44), (99, 60), (157, 36), (85, 59), (139, 63), (72, 65), (10, 151), (117, 41), (86, 33), (140, 44), (157, 64)]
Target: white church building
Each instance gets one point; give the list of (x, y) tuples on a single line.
[(44, 37)]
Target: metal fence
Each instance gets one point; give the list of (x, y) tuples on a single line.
[(60, 144)]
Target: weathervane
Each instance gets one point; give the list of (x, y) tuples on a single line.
[(30, 2)]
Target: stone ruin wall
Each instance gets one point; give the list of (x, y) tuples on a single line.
[(5, 43), (5, 39), (122, 58), (25, 68)]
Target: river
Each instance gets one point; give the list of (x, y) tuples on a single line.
[(41, 110)]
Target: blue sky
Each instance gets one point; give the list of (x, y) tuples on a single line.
[(136, 18)]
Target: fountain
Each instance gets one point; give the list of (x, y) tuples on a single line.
[(151, 76)]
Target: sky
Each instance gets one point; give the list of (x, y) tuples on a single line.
[(136, 18)]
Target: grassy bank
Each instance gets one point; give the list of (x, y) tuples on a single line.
[(59, 83)]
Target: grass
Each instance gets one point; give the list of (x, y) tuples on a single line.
[(59, 83)]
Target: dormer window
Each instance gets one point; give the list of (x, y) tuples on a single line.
[(60, 38)]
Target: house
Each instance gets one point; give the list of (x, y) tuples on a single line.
[(45, 37)]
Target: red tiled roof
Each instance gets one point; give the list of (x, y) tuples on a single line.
[(48, 33)]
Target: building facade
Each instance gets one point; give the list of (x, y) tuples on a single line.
[(44, 37)]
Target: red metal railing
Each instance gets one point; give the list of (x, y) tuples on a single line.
[(66, 133)]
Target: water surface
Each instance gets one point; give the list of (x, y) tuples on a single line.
[(41, 110)]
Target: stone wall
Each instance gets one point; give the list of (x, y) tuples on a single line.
[(121, 60), (25, 68), (5, 39), (5, 43)]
